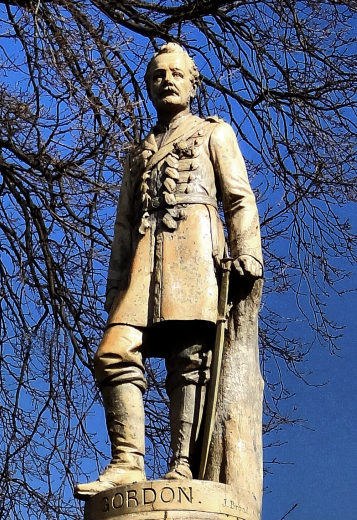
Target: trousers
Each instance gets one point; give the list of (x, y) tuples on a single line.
[(186, 347)]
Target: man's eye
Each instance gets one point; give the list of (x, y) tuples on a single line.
[(178, 74)]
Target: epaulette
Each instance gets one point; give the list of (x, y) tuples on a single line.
[(215, 119)]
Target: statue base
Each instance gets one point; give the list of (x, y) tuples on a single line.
[(167, 500)]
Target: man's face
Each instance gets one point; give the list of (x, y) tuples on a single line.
[(171, 88)]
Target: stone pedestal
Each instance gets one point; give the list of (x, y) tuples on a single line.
[(167, 500)]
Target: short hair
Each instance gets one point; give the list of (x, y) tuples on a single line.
[(175, 49)]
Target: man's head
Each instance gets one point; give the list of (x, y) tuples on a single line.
[(171, 78)]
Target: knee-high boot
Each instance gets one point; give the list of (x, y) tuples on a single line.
[(186, 410), (124, 412)]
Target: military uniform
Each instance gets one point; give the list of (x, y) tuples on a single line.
[(162, 290)]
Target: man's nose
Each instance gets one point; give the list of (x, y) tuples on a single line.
[(168, 77)]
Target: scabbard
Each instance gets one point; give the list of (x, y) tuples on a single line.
[(211, 402)]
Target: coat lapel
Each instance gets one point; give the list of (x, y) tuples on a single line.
[(184, 130)]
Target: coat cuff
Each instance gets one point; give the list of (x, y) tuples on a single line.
[(251, 255)]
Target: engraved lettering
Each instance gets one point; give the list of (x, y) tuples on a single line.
[(131, 497), (117, 501), (181, 491), (233, 505), (105, 504), (167, 495), (146, 496)]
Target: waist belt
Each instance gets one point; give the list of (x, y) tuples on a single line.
[(157, 203)]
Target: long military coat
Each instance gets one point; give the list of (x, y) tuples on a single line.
[(169, 238)]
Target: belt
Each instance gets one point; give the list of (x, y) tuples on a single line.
[(157, 203)]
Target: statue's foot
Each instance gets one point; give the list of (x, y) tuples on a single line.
[(110, 478), (179, 469)]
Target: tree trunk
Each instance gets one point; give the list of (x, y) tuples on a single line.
[(235, 455)]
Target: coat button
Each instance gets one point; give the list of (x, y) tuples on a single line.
[(155, 202)]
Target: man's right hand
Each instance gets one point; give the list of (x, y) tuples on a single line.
[(248, 266)]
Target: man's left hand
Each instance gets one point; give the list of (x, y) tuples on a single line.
[(248, 266)]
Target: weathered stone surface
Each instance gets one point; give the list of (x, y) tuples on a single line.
[(235, 457), (167, 499)]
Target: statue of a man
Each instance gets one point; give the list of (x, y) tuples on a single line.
[(163, 277)]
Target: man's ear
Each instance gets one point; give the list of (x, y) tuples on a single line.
[(193, 92)]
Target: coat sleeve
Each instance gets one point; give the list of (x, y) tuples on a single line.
[(121, 252), (238, 199)]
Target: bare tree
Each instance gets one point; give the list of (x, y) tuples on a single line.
[(71, 102)]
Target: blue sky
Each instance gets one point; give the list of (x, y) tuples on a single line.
[(323, 450)]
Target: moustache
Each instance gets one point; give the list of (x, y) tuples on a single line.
[(169, 90)]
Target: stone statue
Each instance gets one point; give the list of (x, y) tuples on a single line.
[(163, 280)]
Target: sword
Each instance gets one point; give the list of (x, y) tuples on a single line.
[(223, 311)]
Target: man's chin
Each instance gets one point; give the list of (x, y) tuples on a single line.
[(168, 103), (171, 99), (171, 103)]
